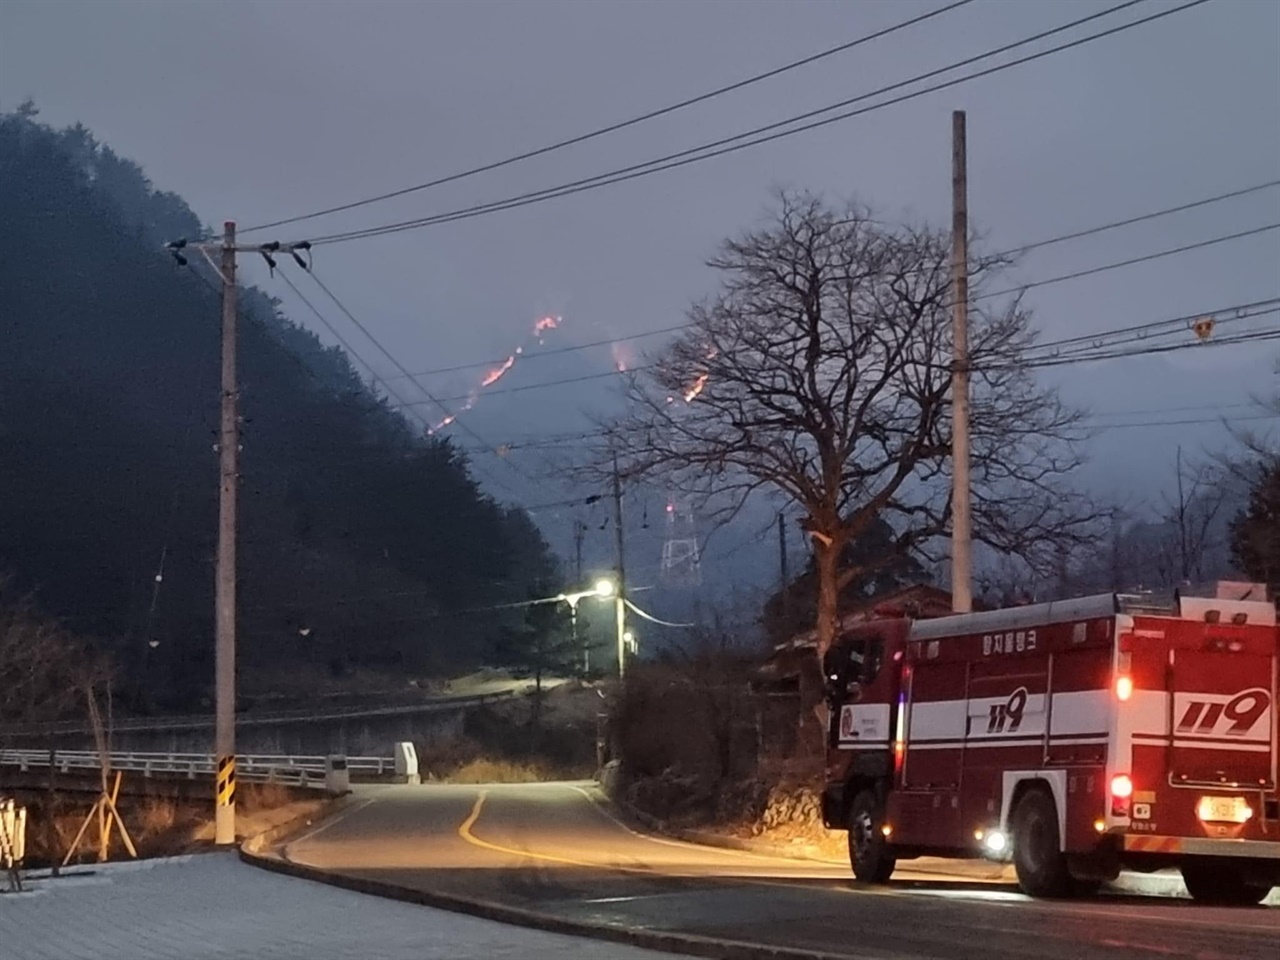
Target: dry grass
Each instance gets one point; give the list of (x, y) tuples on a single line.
[(158, 826), (152, 816), (485, 770), (255, 797)]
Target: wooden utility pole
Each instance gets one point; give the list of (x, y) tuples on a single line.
[(961, 529), (620, 598), (225, 586)]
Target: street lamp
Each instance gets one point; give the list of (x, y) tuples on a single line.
[(603, 590)]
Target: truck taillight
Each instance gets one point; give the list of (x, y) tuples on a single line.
[(1121, 794), (900, 736), (1124, 687)]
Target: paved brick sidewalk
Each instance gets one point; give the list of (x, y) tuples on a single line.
[(213, 907)]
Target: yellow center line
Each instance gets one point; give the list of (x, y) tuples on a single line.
[(465, 832)]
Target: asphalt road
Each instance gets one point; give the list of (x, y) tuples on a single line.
[(559, 849)]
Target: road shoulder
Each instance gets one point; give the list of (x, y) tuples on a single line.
[(268, 851)]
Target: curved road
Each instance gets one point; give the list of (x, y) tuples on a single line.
[(559, 849)]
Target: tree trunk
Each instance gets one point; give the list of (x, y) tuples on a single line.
[(813, 701), (828, 596)]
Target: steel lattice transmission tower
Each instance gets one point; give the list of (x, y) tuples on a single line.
[(681, 561)]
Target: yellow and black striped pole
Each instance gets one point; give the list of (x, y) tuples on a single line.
[(226, 783)]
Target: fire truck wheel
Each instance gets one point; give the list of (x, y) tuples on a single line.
[(868, 851), (1037, 855), (1212, 882)]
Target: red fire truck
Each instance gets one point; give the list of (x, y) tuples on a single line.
[(1075, 738)]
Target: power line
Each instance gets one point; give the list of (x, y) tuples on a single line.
[(1144, 424), (1075, 275), (558, 383), (606, 374), (1252, 337), (1104, 351), (1131, 261), (1013, 251), (714, 149), (1090, 420), (1198, 407), (338, 336), (621, 125), (1178, 323), (552, 352), (399, 366), (403, 403), (347, 346), (1142, 218)]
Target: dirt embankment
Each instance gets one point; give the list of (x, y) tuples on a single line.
[(785, 814)]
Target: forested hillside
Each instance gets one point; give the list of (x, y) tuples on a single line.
[(364, 545)]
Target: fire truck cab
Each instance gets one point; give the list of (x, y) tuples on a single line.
[(1075, 738)]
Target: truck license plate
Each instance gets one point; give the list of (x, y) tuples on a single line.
[(1224, 810)]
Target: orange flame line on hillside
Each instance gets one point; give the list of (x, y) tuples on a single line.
[(443, 423), (540, 326), (698, 385), (494, 375)]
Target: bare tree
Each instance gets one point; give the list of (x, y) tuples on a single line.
[(822, 369), (1201, 495), (40, 662), (1254, 533), (45, 670)]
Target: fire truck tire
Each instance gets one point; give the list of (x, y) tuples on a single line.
[(1213, 882), (869, 853), (1037, 855)]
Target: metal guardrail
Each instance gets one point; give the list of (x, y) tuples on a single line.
[(305, 771), (201, 721)]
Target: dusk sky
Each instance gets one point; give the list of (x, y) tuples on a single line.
[(255, 111)]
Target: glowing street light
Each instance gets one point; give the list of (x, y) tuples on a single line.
[(604, 589)]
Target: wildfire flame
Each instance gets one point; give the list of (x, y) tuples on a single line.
[(494, 375), (693, 391), (443, 423)]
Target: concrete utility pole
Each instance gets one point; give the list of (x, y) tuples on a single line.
[(579, 534), (620, 599), (961, 530), (228, 487), (225, 588)]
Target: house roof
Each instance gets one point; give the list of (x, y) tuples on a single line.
[(920, 600)]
